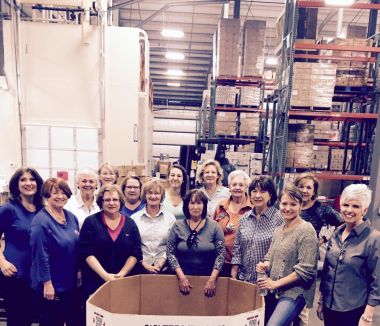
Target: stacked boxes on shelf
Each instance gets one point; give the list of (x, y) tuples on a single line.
[(228, 48), (249, 124), (250, 163), (225, 123), (313, 84), (351, 73), (256, 164), (300, 146), (250, 96), (321, 157), (337, 157), (326, 130), (253, 46), (225, 95)]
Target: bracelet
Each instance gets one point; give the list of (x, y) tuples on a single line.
[(366, 319)]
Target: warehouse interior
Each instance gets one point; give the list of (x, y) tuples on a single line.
[(279, 87)]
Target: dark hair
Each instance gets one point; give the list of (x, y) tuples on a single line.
[(109, 188), (293, 192), (57, 184), (124, 183), (15, 191), (195, 194), (184, 177), (264, 183), (307, 176)]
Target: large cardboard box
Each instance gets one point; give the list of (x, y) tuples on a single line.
[(155, 300)]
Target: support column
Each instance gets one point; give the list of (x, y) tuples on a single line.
[(237, 9)]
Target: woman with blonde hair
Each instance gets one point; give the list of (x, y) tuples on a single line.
[(107, 174), (154, 223), (350, 283), (211, 177)]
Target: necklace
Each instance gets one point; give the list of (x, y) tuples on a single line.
[(192, 238), (58, 217)]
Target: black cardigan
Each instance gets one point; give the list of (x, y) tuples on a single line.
[(112, 255)]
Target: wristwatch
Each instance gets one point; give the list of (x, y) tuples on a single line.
[(366, 319)]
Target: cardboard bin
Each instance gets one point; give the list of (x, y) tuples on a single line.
[(146, 300)]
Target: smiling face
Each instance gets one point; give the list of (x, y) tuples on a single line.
[(57, 199), (260, 198), (111, 203), (132, 191), (352, 212), (27, 185), (175, 178), (195, 208), (107, 176), (87, 185), (238, 187), (306, 187), (153, 196), (290, 208), (210, 175)]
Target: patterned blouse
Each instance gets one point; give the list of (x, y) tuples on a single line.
[(206, 254), (253, 240)]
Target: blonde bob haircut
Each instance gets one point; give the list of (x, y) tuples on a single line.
[(218, 170), (152, 184), (359, 192), (109, 188)]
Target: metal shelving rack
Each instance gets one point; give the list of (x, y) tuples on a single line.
[(281, 104)]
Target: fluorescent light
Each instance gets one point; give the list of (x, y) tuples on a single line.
[(172, 33), (271, 61), (174, 56), (175, 72), (173, 84), (340, 2)]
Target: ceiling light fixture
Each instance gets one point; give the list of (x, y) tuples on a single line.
[(173, 84), (271, 61), (174, 56), (175, 72), (340, 3), (175, 33)]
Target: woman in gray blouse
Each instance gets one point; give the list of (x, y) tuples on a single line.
[(291, 264), (196, 244), (350, 283)]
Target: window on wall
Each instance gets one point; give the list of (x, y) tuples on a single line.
[(52, 149)]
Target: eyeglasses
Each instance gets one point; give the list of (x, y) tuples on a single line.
[(192, 239), (109, 200), (132, 187)]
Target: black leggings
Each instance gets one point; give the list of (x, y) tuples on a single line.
[(18, 300), (346, 318)]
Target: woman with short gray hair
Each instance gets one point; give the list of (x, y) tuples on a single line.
[(350, 283), (229, 212), (83, 204)]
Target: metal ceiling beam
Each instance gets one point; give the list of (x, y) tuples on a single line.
[(123, 4), (179, 4)]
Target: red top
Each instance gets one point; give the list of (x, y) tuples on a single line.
[(114, 233)]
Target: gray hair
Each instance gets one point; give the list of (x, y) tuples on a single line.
[(239, 173), (83, 172), (359, 192)]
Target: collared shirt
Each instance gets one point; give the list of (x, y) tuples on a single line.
[(351, 272), (252, 241), (154, 232), (213, 200), (229, 222), (76, 206)]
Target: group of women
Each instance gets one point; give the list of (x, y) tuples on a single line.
[(57, 243)]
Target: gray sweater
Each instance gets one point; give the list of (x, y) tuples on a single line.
[(294, 250)]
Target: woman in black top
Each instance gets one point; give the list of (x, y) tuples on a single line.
[(110, 243), (313, 211)]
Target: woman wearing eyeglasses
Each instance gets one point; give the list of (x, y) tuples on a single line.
[(350, 283), (107, 174), (131, 188), (110, 243), (196, 244)]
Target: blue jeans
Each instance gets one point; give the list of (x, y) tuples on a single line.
[(282, 312)]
